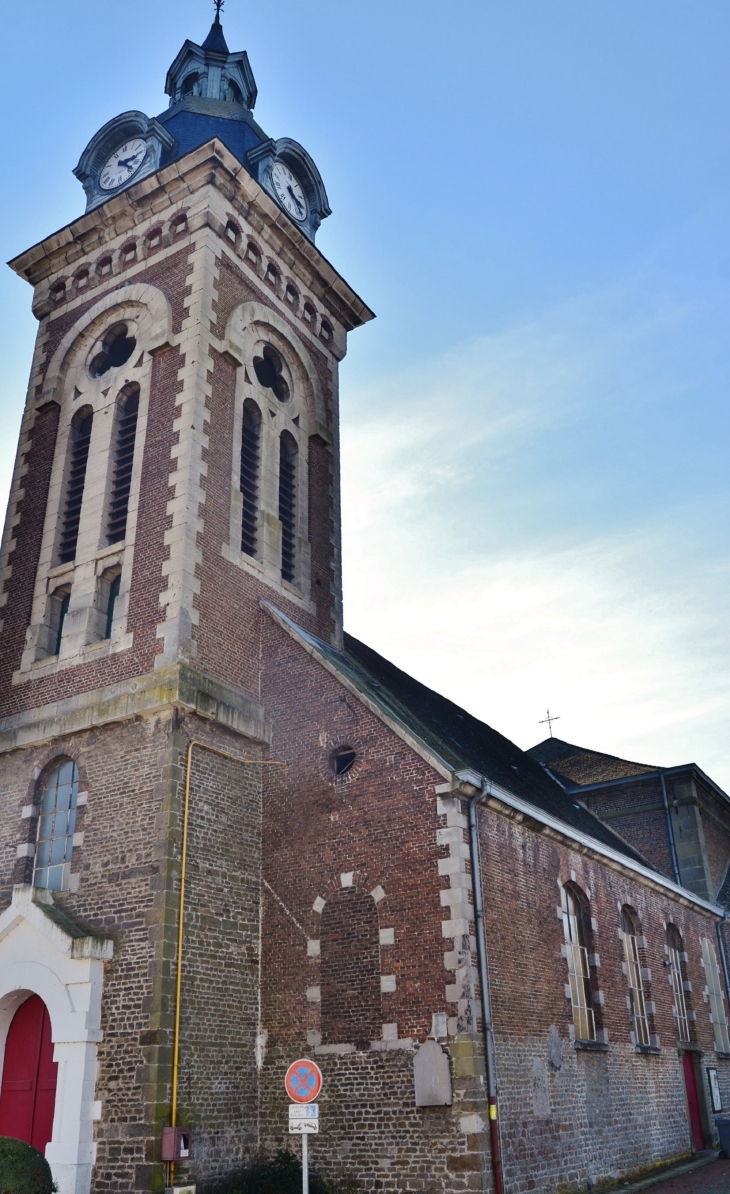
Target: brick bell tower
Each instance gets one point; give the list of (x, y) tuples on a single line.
[(177, 465)]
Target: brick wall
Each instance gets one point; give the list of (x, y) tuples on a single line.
[(598, 1113), (128, 871)]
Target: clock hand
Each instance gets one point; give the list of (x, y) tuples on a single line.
[(124, 162), (295, 198)]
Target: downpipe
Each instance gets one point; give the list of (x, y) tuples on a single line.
[(489, 1050)]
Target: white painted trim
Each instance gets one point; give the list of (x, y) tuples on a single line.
[(38, 956)]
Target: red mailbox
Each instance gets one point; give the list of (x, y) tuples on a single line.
[(176, 1144)]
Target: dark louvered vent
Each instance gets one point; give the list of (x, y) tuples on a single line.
[(123, 461), (287, 503), (80, 440), (250, 450)]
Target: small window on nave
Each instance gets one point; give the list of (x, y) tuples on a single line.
[(632, 963), (575, 914)]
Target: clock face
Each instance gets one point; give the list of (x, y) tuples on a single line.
[(123, 164), (288, 191)]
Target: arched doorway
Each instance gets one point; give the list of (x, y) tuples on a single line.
[(28, 1092)]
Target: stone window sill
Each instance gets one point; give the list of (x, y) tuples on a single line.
[(648, 1049), (693, 1047), (592, 1046)]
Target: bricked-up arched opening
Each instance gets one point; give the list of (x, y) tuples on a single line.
[(350, 968)]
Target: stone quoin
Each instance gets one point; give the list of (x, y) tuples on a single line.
[(509, 981)]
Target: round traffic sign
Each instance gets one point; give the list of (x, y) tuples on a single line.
[(303, 1080)]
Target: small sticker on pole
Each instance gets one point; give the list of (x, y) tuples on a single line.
[(303, 1081)]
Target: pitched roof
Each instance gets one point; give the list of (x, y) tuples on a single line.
[(578, 765), (457, 738)]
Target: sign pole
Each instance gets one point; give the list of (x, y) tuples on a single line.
[(305, 1164)]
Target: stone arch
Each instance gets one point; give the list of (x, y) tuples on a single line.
[(137, 298), (250, 314)]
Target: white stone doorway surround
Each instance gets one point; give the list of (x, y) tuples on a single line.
[(43, 953)]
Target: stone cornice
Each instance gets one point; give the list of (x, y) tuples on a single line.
[(214, 165), (175, 686)]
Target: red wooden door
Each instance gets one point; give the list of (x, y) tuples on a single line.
[(693, 1101), (28, 1093)]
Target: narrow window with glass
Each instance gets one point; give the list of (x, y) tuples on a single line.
[(56, 825), (250, 464), (714, 991), (632, 964), (79, 455), (675, 950), (114, 586), (126, 434), (288, 504), (579, 974)]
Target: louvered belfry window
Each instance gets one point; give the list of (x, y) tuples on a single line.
[(80, 440), (250, 464), (287, 504), (126, 433)]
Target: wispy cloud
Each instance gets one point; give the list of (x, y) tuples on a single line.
[(470, 558)]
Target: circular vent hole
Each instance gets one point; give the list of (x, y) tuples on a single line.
[(342, 760)]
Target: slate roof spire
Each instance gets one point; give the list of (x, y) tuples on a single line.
[(215, 40)]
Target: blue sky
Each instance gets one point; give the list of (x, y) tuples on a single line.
[(534, 197)]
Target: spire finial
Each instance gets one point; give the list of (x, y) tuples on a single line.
[(218, 6)]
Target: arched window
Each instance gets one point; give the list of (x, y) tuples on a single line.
[(716, 996), (632, 964), (190, 84), (288, 504), (79, 445), (56, 825), (233, 93), (250, 462), (126, 431), (350, 968), (575, 912), (675, 950)]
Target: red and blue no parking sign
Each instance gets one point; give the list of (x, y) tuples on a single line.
[(303, 1081)]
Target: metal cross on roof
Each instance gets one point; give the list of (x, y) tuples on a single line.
[(549, 720), (218, 6)]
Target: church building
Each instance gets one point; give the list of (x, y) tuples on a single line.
[(231, 835)]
